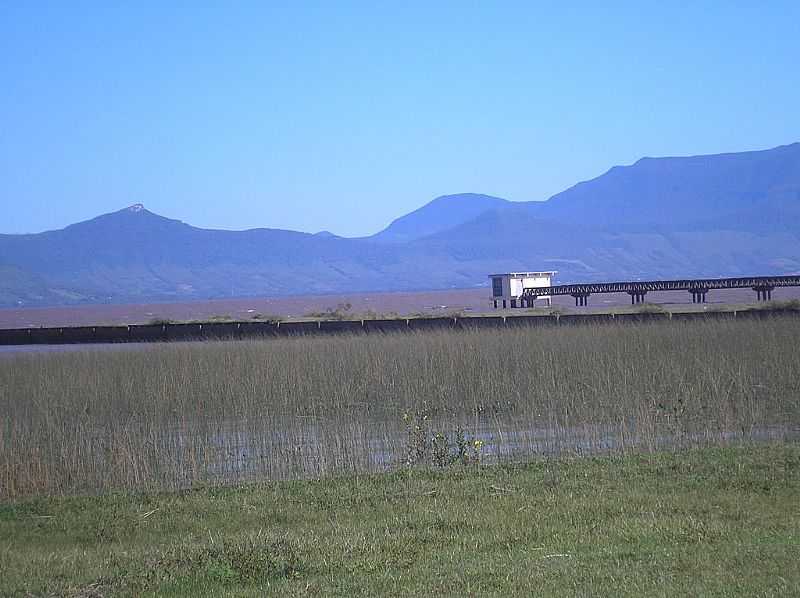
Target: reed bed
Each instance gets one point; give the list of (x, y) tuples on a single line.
[(172, 416)]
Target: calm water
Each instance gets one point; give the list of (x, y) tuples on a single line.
[(305, 450)]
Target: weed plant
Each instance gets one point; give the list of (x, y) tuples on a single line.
[(170, 416)]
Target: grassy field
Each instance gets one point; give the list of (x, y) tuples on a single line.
[(169, 417), (703, 522), (627, 460)]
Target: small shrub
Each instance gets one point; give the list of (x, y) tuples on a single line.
[(440, 450), (790, 305), (220, 318), (416, 437), (651, 308), (424, 447), (272, 319), (340, 312)]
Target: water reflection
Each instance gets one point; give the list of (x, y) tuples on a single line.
[(238, 451)]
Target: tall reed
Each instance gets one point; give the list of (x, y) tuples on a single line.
[(173, 416)]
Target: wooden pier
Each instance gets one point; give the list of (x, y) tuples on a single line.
[(698, 287)]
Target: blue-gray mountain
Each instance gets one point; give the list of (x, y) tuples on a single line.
[(439, 215), (719, 215)]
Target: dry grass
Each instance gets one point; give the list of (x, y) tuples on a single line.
[(174, 416)]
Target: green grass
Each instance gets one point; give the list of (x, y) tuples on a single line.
[(710, 522)]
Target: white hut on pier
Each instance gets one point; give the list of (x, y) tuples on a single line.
[(507, 288)]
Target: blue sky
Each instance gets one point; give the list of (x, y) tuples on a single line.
[(343, 115)]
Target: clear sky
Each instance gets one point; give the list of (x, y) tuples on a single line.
[(343, 116)]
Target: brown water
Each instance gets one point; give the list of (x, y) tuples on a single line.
[(431, 303)]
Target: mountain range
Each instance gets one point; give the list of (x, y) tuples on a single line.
[(714, 215)]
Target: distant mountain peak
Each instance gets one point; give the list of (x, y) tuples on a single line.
[(441, 214), (133, 218)]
